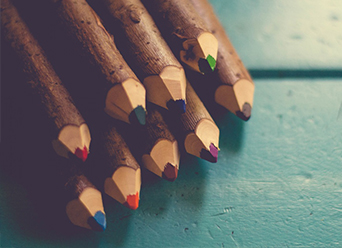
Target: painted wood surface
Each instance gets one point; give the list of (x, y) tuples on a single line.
[(291, 34)]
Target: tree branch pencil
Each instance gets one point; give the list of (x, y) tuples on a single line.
[(185, 33), (235, 87), (71, 132), (84, 206), (121, 175), (148, 54), (125, 95), (161, 153), (195, 129)]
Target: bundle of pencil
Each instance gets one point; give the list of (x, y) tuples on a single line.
[(185, 32), (233, 86), (125, 95), (71, 133), (148, 54), (191, 32)]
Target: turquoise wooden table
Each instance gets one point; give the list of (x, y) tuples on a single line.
[(278, 180)]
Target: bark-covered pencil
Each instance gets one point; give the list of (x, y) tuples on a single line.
[(160, 152), (121, 175), (185, 33), (125, 95), (196, 129), (71, 133), (148, 54), (84, 206), (234, 86)]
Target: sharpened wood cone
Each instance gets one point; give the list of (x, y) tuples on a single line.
[(207, 65), (170, 172), (82, 154), (177, 106), (98, 222), (245, 114), (138, 116)]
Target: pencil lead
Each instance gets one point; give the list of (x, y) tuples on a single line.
[(132, 201), (170, 172), (177, 106), (138, 116), (98, 222), (245, 114), (82, 154), (210, 155), (207, 65)]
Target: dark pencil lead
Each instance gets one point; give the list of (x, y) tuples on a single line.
[(207, 65), (138, 116), (210, 155), (177, 106), (98, 222), (170, 172), (245, 114)]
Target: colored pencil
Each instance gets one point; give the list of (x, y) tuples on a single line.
[(196, 129), (84, 206), (125, 95), (121, 172), (160, 148), (71, 132), (235, 88), (185, 33), (148, 54)]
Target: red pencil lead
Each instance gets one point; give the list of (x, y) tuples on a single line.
[(82, 154), (132, 201)]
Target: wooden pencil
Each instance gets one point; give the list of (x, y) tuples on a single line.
[(235, 88), (125, 95), (148, 54), (196, 129), (122, 175), (153, 145), (71, 132), (160, 148), (84, 206), (185, 33)]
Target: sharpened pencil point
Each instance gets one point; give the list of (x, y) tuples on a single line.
[(82, 154), (207, 65), (245, 114), (138, 116), (177, 106), (210, 155), (98, 222), (170, 172), (132, 201)]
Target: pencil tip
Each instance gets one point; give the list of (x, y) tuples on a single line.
[(170, 172), (210, 155), (245, 114), (98, 222), (207, 65), (177, 106), (82, 153), (132, 201), (138, 116)]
